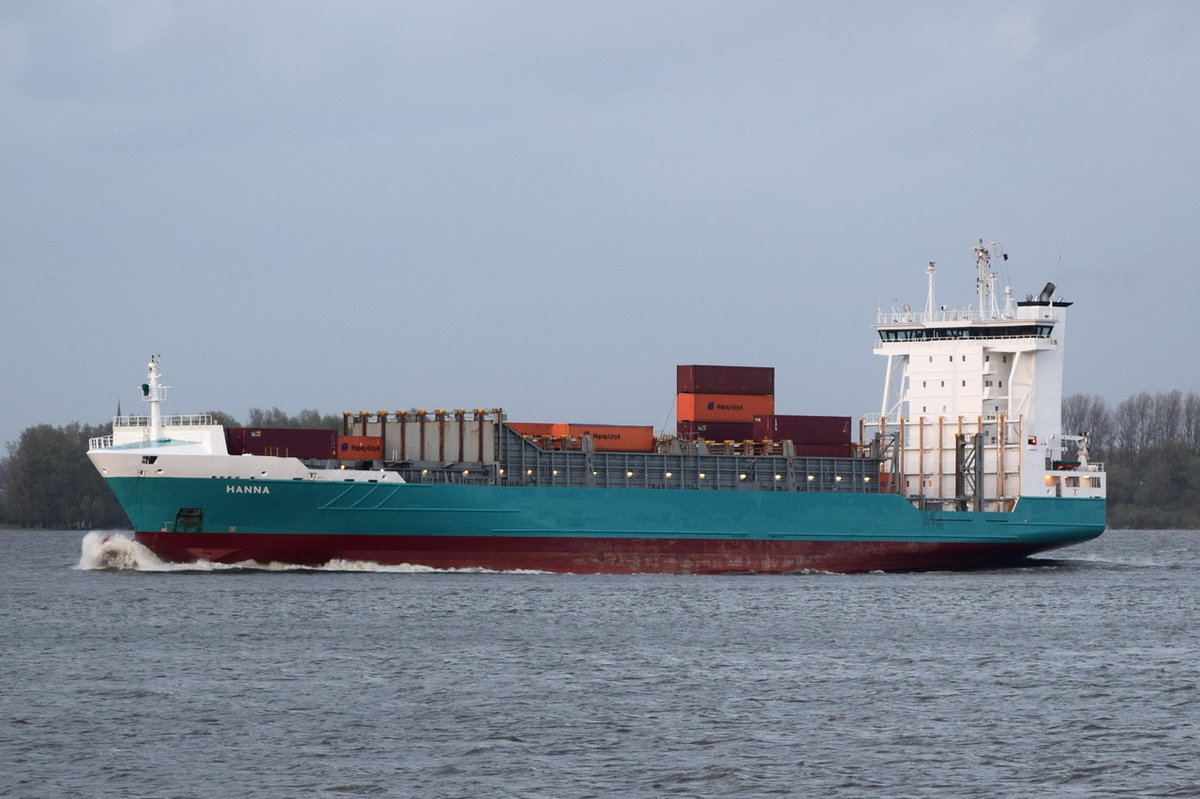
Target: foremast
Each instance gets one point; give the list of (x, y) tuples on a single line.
[(971, 411), (154, 393)]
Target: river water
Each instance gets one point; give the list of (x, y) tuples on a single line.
[(119, 677)]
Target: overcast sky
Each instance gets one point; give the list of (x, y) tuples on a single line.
[(546, 206)]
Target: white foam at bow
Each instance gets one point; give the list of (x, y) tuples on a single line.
[(112, 551)]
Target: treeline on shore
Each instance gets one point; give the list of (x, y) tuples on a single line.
[(1150, 444)]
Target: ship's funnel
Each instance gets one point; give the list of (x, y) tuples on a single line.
[(1046, 293)]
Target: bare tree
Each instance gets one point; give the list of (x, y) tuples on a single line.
[(1166, 418), (1191, 421), (1088, 414), (275, 417), (1131, 428)]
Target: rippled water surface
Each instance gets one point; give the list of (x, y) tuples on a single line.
[(1074, 677)]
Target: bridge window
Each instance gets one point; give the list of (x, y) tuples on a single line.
[(953, 333)]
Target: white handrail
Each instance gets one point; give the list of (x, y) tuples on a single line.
[(172, 420), (901, 317)]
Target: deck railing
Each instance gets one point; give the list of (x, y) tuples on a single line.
[(902, 317), (171, 420)]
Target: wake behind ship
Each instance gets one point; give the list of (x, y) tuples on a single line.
[(965, 466)]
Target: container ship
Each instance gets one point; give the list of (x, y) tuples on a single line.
[(964, 466)]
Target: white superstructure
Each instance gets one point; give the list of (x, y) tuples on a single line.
[(194, 445), (972, 401)]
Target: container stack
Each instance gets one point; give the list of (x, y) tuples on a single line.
[(605, 437), (719, 403), (306, 444)]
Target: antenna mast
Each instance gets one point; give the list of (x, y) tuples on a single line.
[(985, 281), (154, 393), (929, 306)]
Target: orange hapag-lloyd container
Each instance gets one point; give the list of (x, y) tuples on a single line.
[(360, 448), (615, 437), (722, 407), (605, 437), (535, 429)]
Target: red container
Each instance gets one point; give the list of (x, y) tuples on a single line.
[(803, 429), (284, 442), (723, 407), (699, 379), (715, 431), (360, 448)]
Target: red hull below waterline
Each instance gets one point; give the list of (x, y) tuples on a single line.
[(580, 555)]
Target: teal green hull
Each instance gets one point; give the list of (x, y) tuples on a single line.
[(585, 529)]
